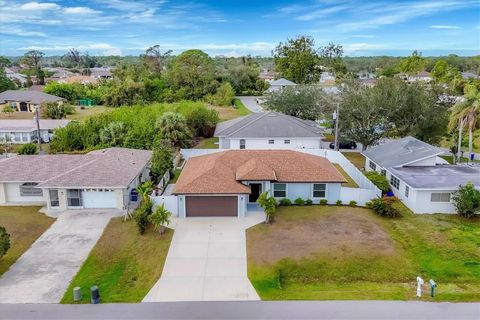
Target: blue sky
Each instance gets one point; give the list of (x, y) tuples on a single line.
[(234, 28)]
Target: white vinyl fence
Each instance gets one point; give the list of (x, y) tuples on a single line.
[(170, 203)]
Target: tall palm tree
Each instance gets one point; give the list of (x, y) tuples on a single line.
[(466, 112)]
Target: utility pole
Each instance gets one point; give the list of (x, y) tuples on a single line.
[(37, 119), (336, 117)]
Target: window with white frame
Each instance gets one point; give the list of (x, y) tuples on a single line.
[(287, 141), (319, 190), (440, 197), (279, 190), (74, 198), (372, 165), (271, 141), (407, 191), (242, 143), (395, 182), (383, 172), (29, 189)]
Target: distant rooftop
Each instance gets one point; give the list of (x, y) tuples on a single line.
[(282, 82), (34, 97), (31, 125)]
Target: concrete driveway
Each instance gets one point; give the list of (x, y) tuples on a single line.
[(207, 261), (251, 103), (43, 272)]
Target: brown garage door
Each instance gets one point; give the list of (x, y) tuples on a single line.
[(211, 206)]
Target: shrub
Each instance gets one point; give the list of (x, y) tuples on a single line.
[(352, 203), (4, 241), (285, 202), (338, 202), (385, 207), (223, 96), (8, 109), (379, 180), (141, 215), (28, 148), (323, 202), (269, 205), (467, 201), (55, 110), (308, 202), (299, 202), (160, 218), (162, 161)]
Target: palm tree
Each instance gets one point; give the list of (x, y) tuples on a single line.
[(466, 112), (173, 127), (160, 218), (269, 205), (145, 189)]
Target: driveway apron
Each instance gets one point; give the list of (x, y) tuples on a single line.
[(207, 261), (43, 272)]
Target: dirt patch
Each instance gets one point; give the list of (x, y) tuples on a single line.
[(332, 231)]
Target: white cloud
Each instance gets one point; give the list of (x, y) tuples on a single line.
[(353, 48), (320, 13), (444, 27), (39, 6), (96, 48), (21, 32), (366, 36), (80, 10)]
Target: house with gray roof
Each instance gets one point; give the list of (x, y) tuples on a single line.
[(280, 84), (422, 180), (269, 130), (101, 179), (26, 100)]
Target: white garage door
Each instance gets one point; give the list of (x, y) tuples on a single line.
[(97, 199)]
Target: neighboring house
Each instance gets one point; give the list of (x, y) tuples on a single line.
[(228, 183), (280, 84), (79, 79), (15, 76), (327, 78), (59, 73), (269, 130), (418, 176), (421, 76), (26, 100), (267, 76), (25, 131), (99, 179), (469, 75), (101, 73)]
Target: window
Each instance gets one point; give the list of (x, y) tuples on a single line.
[(407, 191), (25, 137), (395, 182), (271, 141), (372, 165), (279, 190), (383, 172), (440, 197), (54, 202), (286, 141), (242, 143), (74, 198), (28, 189), (319, 190)]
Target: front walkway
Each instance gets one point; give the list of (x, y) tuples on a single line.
[(43, 272), (207, 261)]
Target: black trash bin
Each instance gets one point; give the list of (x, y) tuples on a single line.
[(95, 294)]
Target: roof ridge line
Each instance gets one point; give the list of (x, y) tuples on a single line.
[(253, 121), (73, 169), (298, 121)]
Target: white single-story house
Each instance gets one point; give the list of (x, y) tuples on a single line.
[(26, 100), (280, 84), (269, 130), (25, 131), (228, 183), (99, 179), (422, 180)]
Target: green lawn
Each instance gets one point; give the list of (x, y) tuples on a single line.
[(82, 114), (330, 252), (25, 225), (240, 108), (351, 183), (208, 143), (229, 113), (356, 158), (124, 264)]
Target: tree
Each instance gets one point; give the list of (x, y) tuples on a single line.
[(142, 214), (331, 58), (202, 121), (269, 206), (442, 72), (4, 241), (173, 128), (28, 149), (302, 101), (413, 64), (223, 96), (467, 201), (113, 135), (74, 57), (297, 60), (41, 77), (466, 112), (55, 110), (5, 83), (155, 59), (33, 59), (145, 189), (160, 218), (70, 91), (29, 81), (162, 161), (192, 75)]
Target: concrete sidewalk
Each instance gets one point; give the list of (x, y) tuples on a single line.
[(207, 261), (43, 272)]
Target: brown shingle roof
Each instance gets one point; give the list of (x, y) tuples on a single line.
[(222, 172)]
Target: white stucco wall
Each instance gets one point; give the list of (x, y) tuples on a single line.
[(279, 143), (305, 191), (12, 195), (423, 203)]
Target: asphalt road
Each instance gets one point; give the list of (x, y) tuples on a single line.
[(371, 310), (250, 103)]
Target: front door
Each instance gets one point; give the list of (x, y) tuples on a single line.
[(23, 107), (256, 190)]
